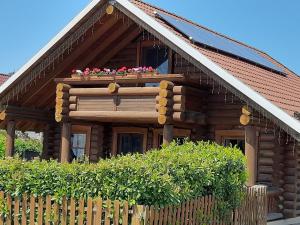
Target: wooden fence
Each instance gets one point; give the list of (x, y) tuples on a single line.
[(200, 211)]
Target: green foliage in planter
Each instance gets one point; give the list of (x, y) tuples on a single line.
[(160, 177), (21, 145)]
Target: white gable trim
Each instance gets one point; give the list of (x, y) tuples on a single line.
[(293, 125)]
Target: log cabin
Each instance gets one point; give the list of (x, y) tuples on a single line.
[(203, 86)]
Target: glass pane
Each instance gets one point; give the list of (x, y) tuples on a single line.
[(78, 146), (130, 143), (156, 57)]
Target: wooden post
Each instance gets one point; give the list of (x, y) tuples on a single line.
[(10, 138), (168, 134), (251, 154), (65, 142), (45, 142)]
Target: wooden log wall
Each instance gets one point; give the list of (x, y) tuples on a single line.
[(291, 179), (126, 57), (97, 140)]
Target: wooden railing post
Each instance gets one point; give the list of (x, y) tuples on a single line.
[(10, 138)]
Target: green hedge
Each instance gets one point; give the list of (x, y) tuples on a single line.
[(160, 177), (21, 145)]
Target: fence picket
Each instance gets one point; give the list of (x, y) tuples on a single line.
[(40, 210), (125, 214), (64, 211), (1, 200), (202, 210), (48, 210), (81, 211), (98, 213), (152, 215), (56, 216), (107, 212), (16, 210), (89, 214), (72, 211), (24, 209), (9, 210)]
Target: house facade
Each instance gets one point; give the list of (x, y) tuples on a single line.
[(155, 77)]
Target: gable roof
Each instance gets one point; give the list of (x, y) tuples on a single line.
[(282, 90), (266, 91), (3, 78)]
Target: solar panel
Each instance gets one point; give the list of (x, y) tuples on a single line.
[(205, 37)]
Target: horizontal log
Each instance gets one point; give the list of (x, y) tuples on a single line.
[(73, 99), (165, 102), (178, 107), (163, 119), (127, 91), (73, 107), (185, 90), (162, 110), (179, 116), (164, 84), (62, 87), (116, 116), (179, 99), (164, 93), (62, 95)]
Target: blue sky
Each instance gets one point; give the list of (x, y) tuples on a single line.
[(269, 25)]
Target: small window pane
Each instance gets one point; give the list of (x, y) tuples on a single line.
[(78, 146), (130, 143), (157, 58)]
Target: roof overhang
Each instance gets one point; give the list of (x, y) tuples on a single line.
[(287, 122)]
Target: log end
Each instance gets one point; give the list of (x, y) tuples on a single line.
[(163, 119), (113, 87), (164, 84), (244, 119)]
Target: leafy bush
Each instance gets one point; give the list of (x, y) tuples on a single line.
[(159, 177), (22, 145)]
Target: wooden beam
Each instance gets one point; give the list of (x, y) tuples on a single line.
[(116, 116), (118, 46), (10, 138), (168, 134), (114, 34), (127, 91), (65, 142), (251, 154)]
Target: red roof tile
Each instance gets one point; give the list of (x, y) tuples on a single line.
[(283, 91)]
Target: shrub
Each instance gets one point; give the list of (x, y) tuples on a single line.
[(22, 145), (159, 177)]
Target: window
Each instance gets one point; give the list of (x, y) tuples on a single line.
[(80, 142), (78, 146), (130, 143), (238, 142), (129, 140), (179, 135), (156, 57), (231, 138)]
